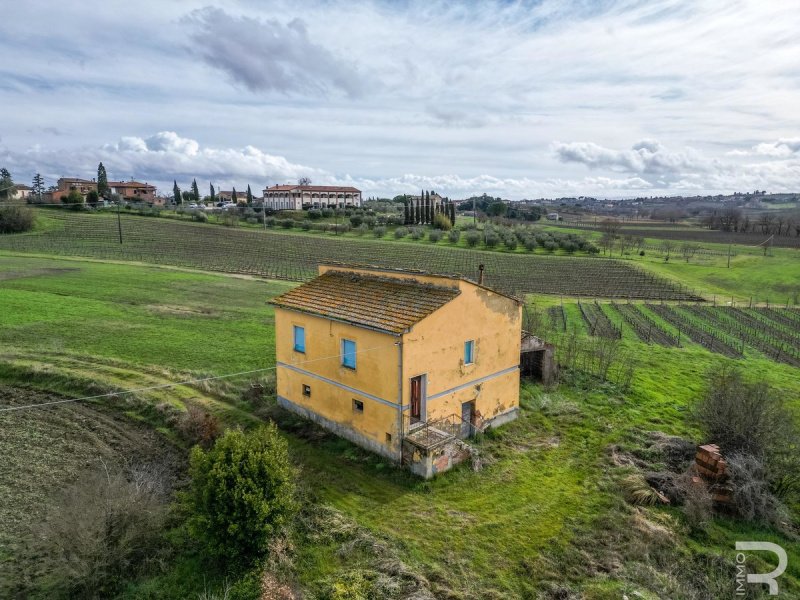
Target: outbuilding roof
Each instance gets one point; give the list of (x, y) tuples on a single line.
[(384, 303)]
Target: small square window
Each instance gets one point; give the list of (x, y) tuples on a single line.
[(306, 390), (469, 352), (349, 354), (299, 339), (358, 405)]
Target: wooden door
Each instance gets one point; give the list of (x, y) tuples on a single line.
[(416, 399)]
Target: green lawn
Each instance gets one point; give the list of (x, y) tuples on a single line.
[(546, 491)]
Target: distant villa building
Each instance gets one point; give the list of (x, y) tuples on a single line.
[(127, 190), (133, 190), (299, 197)]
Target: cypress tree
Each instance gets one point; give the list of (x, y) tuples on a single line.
[(212, 193), (102, 181), (428, 211), (452, 207), (406, 217), (195, 191), (249, 195), (234, 199), (176, 192)]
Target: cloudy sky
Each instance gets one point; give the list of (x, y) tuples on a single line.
[(519, 99)]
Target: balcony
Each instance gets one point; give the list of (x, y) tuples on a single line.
[(428, 435)]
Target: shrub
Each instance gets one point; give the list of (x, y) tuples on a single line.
[(752, 496), (510, 242), (379, 231), (287, 223), (314, 214), (361, 229), (75, 200), (305, 225), (198, 426), (435, 235), (550, 246), (472, 238), (400, 232), (200, 216), (92, 197), (394, 220), (453, 235), (592, 249), (271, 221), (491, 239), (442, 221), (743, 417), (16, 219), (242, 493), (252, 220), (327, 212), (530, 243), (356, 220), (370, 221), (102, 530), (569, 246), (417, 233)]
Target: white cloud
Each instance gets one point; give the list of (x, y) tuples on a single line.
[(645, 157)]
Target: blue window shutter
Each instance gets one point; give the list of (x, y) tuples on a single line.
[(299, 338), (469, 352), (349, 354)]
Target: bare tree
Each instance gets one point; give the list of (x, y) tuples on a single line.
[(667, 247), (688, 250), (304, 181)]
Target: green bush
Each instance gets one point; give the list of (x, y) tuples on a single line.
[(435, 235), (379, 232), (16, 219), (400, 232), (510, 242), (314, 214), (453, 235), (356, 220), (442, 221), (327, 212), (242, 493), (75, 200), (491, 239), (472, 238), (287, 223)]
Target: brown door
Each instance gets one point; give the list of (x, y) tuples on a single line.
[(416, 399)]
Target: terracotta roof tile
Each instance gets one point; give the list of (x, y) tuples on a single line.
[(310, 188), (384, 303)]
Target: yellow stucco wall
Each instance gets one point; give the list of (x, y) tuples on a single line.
[(434, 347), (374, 379)]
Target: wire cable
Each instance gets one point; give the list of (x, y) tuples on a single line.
[(171, 385)]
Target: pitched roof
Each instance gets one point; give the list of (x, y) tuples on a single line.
[(384, 303), (311, 188), (130, 184)]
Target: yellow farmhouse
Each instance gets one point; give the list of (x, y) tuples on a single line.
[(403, 363)]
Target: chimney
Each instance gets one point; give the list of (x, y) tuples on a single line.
[(480, 274)]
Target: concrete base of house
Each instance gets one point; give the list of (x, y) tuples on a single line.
[(502, 418), (429, 462), (339, 429)]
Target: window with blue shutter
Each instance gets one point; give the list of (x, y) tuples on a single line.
[(349, 354), (299, 339), (469, 352)]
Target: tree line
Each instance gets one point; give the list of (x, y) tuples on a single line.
[(423, 210)]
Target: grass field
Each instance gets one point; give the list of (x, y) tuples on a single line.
[(545, 513)]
